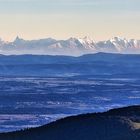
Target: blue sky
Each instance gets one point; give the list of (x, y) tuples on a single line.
[(100, 19)]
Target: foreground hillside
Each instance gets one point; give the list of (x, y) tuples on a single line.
[(117, 124)]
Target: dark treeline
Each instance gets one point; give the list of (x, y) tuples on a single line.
[(117, 124)]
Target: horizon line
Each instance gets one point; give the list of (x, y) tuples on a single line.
[(74, 37)]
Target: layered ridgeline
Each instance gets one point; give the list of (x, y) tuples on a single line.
[(72, 46), (126, 65), (117, 124)]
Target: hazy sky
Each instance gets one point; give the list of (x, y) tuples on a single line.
[(61, 19)]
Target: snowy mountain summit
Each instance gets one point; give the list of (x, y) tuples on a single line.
[(71, 46)]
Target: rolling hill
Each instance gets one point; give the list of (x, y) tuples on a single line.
[(116, 124)]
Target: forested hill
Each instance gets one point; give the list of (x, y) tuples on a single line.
[(117, 124)]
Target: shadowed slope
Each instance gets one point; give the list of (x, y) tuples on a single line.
[(117, 124)]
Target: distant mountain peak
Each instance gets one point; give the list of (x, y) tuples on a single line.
[(117, 38), (71, 46), (87, 38), (18, 39)]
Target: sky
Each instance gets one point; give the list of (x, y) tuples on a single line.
[(61, 19)]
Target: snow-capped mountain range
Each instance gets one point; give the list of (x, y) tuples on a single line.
[(71, 46)]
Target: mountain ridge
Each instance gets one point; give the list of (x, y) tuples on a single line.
[(116, 124), (72, 46), (88, 64)]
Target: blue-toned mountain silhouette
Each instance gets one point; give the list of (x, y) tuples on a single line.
[(90, 64)]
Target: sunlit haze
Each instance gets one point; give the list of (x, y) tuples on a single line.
[(61, 19)]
